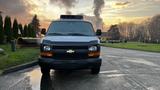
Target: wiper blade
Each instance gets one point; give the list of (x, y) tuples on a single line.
[(77, 34), (55, 34)]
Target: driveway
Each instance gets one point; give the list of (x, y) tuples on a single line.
[(121, 69)]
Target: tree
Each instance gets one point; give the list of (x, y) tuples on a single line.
[(147, 31), (21, 30), (25, 33), (154, 29), (114, 33), (31, 31), (35, 24), (7, 28), (15, 29), (127, 30), (1, 30)]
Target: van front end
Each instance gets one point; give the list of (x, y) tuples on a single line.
[(70, 56)]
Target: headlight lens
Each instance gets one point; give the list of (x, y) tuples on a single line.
[(47, 48), (92, 48)]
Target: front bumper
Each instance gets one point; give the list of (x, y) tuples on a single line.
[(70, 64)]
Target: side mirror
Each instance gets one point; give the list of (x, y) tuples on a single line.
[(43, 31), (98, 32)]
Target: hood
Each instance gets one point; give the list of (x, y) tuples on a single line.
[(71, 38)]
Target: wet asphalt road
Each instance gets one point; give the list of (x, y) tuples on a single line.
[(121, 70)]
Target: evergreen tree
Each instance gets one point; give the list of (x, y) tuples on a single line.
[(25, 33), (21, 30), (31, 31), (15, 29), (7, 28), (35, 24), (1, 30)]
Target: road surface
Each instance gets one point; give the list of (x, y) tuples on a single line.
[(121, 69)]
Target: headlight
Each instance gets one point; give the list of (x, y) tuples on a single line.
[(47, 48), (46, 51), (92, 48)]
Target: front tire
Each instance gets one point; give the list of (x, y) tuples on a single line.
[(95, 70), (45, 70)]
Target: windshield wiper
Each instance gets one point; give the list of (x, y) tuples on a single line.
[(55, 34), (77, 34)]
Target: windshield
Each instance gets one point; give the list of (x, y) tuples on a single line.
[(77, 28)]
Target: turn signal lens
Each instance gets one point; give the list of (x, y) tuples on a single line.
[(46, 54), (94, 54)]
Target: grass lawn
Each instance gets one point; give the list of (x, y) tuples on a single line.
[(135, 46), (21, 56)]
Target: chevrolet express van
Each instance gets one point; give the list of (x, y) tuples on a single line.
[(70, 44)]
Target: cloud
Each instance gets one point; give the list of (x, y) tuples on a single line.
[(119, 5), (12, 7), (122, 3), (15, 9), (140, 9), (66, 3)]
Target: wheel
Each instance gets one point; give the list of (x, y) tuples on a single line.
[(95, 70), (45, 70)]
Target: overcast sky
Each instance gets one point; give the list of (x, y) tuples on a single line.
[(114, 11)]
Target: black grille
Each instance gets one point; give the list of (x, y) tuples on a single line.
[(70, 47), (80, 52)]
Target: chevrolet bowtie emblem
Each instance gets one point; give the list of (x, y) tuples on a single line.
[(70, 51)]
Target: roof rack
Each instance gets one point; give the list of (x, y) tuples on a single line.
[(71, 17)]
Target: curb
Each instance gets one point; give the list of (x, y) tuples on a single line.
[(0, 72), (132, 49), (19, 67)]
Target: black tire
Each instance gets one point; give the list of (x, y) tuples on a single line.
[(95, 70), (45, 70)]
